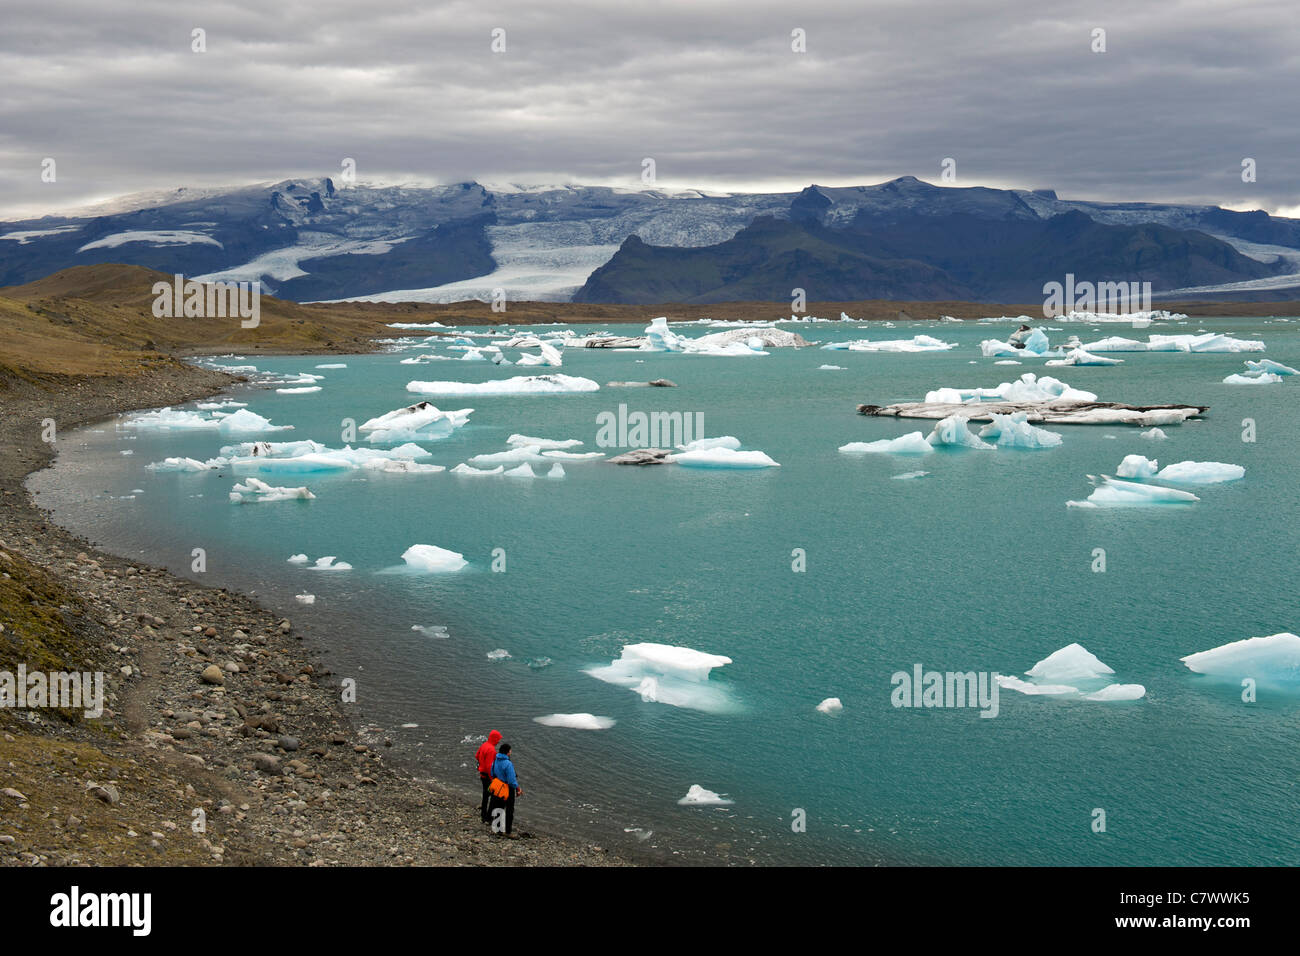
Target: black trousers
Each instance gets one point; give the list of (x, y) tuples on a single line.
[(498, 803), (483, 807)]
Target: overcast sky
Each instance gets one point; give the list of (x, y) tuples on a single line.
[(1012, 91)]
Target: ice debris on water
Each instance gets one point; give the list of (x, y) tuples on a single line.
[(697, 796)]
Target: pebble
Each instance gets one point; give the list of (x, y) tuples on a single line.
[(212, 675)]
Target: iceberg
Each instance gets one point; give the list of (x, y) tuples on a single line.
[(576, 721), (919, 343), (298, 559), (463, 469), (830, 368), (952, 431), (334, 365), (244, 422), (1275, 659), (708, 444), (907, 475), (723, 458), (1071, 663), (1154, 434), (549, 354), (1264, 378), (831, 705), (305, 598), (519, 455), (428, 557), (1060, 673), (913, 443), (546, 444), (1269, 366), (1201, 472), (697, 796), (419, 422), (1118, 692), (1137, 466), (1028, 388), (1026, 687), (1014, 431), (252, 490), (179, 464), (1115, 493), (524, 470), (555, 384), (557, 471), (666, 674), (1203, 342), (1081, 357), (330, 563), (303, 390)]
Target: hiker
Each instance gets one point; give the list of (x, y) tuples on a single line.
[(487, 753), (503, 790)]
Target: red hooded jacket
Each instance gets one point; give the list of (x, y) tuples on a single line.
[(488, 752)]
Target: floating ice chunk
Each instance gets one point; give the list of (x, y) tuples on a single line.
[(662, 673), (1264, 378), (401, 466), (697, 796), (244, 422), (1154, 434), (919, 343), (952, 431), (1137, 466), (1204, 342), (1118, 692), (557, 471), (659, 338), (546, 444), (219, 406), (913, 443), (1014, 431), (334, 365), (514, 456), (1115, 343), (573, 455), (1115, 493), (907, 475), (1028, 388), (1264, 366), (178, 464), (549, 355), (500, 654), (1081, 357), (1036, 342), (252, 490), (428, 557), (419, 422), (1200, 472), (1071, 663), (707, 444), (1275, 659), (723, 458), (830, 368), (438, 631), (170, 419), (305, 598), (1026, 687), (576, 721), (330, 563), (1009, 362), (298, 559), (298, 391), (831, 705), (524, 470), (463, 469), (520, 385)]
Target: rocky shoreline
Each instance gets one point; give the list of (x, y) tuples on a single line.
[(256, 763)]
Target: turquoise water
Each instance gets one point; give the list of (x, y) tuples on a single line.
[(979, 566)]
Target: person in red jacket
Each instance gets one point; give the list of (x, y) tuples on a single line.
[(487, 753)]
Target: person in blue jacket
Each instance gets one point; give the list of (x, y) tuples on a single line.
[(503, 769)]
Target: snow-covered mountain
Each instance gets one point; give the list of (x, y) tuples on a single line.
[(319, 239)]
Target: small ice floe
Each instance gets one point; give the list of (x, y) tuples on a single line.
[(954, 433), (554, 384), (557, 471), (830, 368), (432, 559), (1137, 466), (919, 343), (665, 674), (723, 458), (437, 631), (252, 490), (576, 721), (500, 654), (1116, 493), (523, 470), (1072, 672), (913, 443), (330, 563), (1266, 378), (1007, 362), (1014, 431), (240, 422), (333, 365), (544, 444), (1153, 434), (302, 390), (126, 451), (697, 796), (1274, 659), (1081, 357), (464, 469), (1200, 472), (305, 598), (1269, 367), (709, 444), (831, 705), (909, 475), (179, 464), (419, 422), (537, 663), (298, 559)]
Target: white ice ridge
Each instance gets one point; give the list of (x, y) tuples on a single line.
[(428, 557), (240, 422), (665, 674), (419, 422), (519, 385), (576, 721), (953, 431), (913, 443), (919, 343), (1115, 493), (697, 796), (1028, 388), (252, 490), (1072, 671), (464, 469), (1203, 342), (546, 444), (1014, 431), (1273, 659), (1136, 318), (831, 705), (722, 457)]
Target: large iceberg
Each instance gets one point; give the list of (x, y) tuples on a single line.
[(419, 422), (428, 557), (1014, 431), (519, 385), (913, 443), (1273, 659), (665, 674)]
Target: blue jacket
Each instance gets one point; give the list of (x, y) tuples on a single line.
[(504, 770)]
